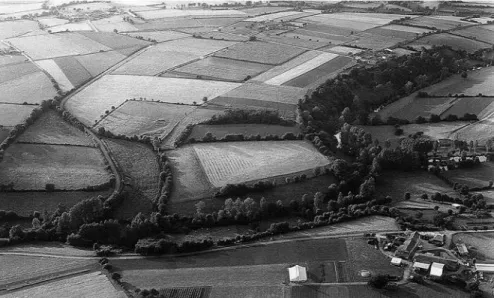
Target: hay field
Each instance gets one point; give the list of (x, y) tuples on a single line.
[(81, 26), (55, 45), (280, 69), (167, 24), (50, 128), (348, 21), (225, 69), (32, 89), (301, 69), (52, 21), (112, 23), (159, 36), (11, 59), (480, 106), (75, 72), (254, 11), (342, 50), (12, 114), (98, 62), (173, 13), (115, 41), (113, 90), (297, 40), (13, 7), (411, 107), (219, 22), (198, 47), (260, 52), (145, 118), (437, 22), (455, 42), (87, 285), (31, 167), (478, 33), (268, 93), (480, 131), (15, 28), (51, 67), (273, 16), (375, 41), (15, 71), (238, 162)]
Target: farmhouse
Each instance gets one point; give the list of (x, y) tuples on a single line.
[(408, 249), (438, 239), (462, 249)]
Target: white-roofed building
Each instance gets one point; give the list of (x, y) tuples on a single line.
[(297, 273), (437, 270)]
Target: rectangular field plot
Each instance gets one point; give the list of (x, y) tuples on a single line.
[(15, 28), (220, 131), (220, 35), (239, 162), (386, 31), (113, 90), (167, 24), (31, 89), (112, 23), (12, 59), (145, 118), (159, 36), (50, 128), (284, 110), (260, 52), (301, 69), (478, 33), (268, 93), (342, 50), (51, 67), (479, 176), (479, 131), (411, 107), (81, 26), (87, 285), (280, 69), (12, 114), (31, 167), (98, 62), (273, 16), (73, 70), (225, 69), (320, 74), (264, 10), (57, 45), (15, 71), (196, 46), (454, 41), (50, 22), (115, 41), (436, 22), (374, 41), (298, 40), (478, 81), (173, 13), (480, 106)]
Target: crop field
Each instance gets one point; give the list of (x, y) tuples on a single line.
[(301, 69), (473, 177), (411, 107), (480, 106), (478, 33), (15, 71), (75, 72), (31, 167), (32, 89), (224, 69), (145, 118), (221, 36), (15, 28), (198, 47), (434, 22), (260, 52), (482, 243), (40, 268), (11, 59), (25, 203), (51, 67), (280, 69), (320, 74), (454, 41), (264, 10), (167, 24), (50, 21), (159, 36), (81, 26), (386, 31), (334, 33), (375, 41), (265, 92), (273, 16), (11, 114), (341, 50), (50, 128), (86, 285), (112, 23), (141, 171), (98, 62), (115, 41), (219, 131), (173, 13), (238, 162), (297, 40)]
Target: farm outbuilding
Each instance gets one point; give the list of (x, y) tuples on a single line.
[(462, 249), (408, 249), (396, 261), (297, 273), (421, 266), (484, 267), (437, 269)]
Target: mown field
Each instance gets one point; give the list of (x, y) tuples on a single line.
[(17, 70), (280, 69), (239, 162), (220, 131), (112, 90), (260, 52), (72, 27), (342, 50), (145, 118), (479, 176), (50, 128), (482, 243), (51, 67), (11, 59), (478, 131), (31, 167), (454, 41)]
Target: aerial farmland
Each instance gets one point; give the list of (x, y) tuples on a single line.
[(287, 148)]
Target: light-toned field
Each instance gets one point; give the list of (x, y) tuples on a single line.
[(11, 59), (295, 39), (225, 69), (98, 62), (479, 131), (15, 28), (50, 128), (112, 23), (390, 33), (167, 24), (145, 118), (221, 35), (342, 50), (273, 16), (115, 41), (265, 92), (220, 131), (172, 13), (264, 10), (55, 45), (159, 36), (478, 33), (260, 52), (482, 243), (81, 26), (375, 41), (454, 41), (435, 22), (113, 90), (73, 70), (90, 6), (12, 114), (31, 167), (415, 30), (54, 70), (32, 89), (15, 71), (352, 21), (219, 22), (13, 7), (87, 285), (280, 69), (301, 69), (51, 21), (198, 47), (239, 162)]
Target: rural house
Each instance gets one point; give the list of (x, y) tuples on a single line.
[(409, 247)]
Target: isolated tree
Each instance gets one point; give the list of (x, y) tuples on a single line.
[(464, 74), (379, 281)]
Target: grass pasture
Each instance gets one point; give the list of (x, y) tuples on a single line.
[(113, 90), (15, 71), (284, 110), (72, 27), (51, 21), (280, 69), (98, 62), (437, 22), (482, 243), (239, 162), (115, 41), (50, 128), (260, 52), (219, 131), (159, 36), (11, 59), (51, 67), (479, 176), (73, 70), (221, 35), (112, 23), (168, 24), (479, 131), (454, 41), (32, 166), (411, 107), (219, 22), (224, 69), (265, 92), (11, 114), (298, 40), (375, 41), (31, 89), (15, 28), (480, 106), (4, 132), (175, 13), (255, 11), (273, 16), (145, 118), (477, 33), (342, 50)]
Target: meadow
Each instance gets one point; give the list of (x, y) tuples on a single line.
[(12, 114), (479, 176), (112, 23), (168, 24), (411, 107), (260, 52), (280, 69), (172, 13), (31, 167), (159, 36), (52, 21), (273, 16), (436, 22), (72, 27), (115, 41), (267, 93), (15, 71), (342, 50), (454, 41), (32, 89), (375, 41), (11, 59), (478, 131), (51, 67), (73, 70), (284, 110), (240, 162), (220, 131), (298, 40), (15, 28), (98, 62), (482, 243)]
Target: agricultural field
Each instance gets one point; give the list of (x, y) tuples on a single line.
[(342, 50), (239, 162), (98, 62), (411, 107), (374, 41), (12, 114), (273, 16), (51, 67), (86, 285), (141, 172), (479, 131), (320, 74), (31, 167), (50, 128), (32, 89), (168, 24), (480, 106), (219, 22), (479, 176), (477, 33), (437, 22), (6, 60), (74, 71), (113, 90), (220, 131), (352, 21), (217, 35), (481, 243), (284, 110), (297, 40), (159, 36), (398, 31), (15, 71), (454, 41), (174, 13), (16, 28), (112, 23), (4, 132), (280, 69), (255, 11), (144, 118), (260, 52), (72, 27), (195, 46), (115, 41), (268, 93), (224, 69), (52, 21)]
